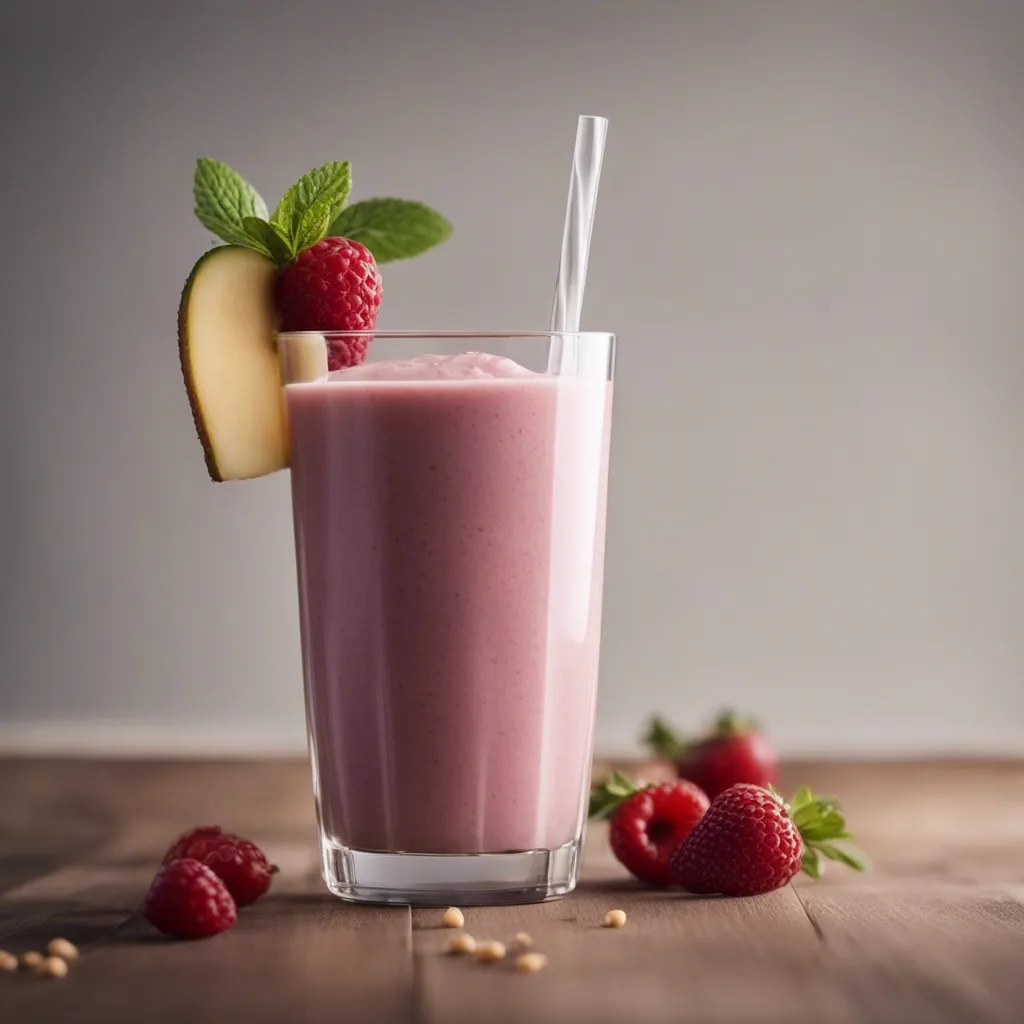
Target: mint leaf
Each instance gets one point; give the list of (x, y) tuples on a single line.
[(313, 226), (223, 199), (327, 186), (392, 229), (265, 238)]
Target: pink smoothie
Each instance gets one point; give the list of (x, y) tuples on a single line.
[(449, 524)]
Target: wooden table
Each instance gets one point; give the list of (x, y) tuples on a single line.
[(934, 933)]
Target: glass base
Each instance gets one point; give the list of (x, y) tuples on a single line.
[(441, 880)]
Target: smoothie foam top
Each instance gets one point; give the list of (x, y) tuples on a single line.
[(465, 366)]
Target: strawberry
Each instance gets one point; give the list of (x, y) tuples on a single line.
[(647, 822), (734, 751), (751, 842)]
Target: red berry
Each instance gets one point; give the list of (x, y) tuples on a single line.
[(242, 867), (751, 842), (649, 825), (332, 286), (188, 901), (733, 751), (728, 758), (745, 844), (196, 843)]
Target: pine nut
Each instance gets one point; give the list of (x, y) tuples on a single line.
[(8, 961), (453, 918), (461, 945), (32, 960), (522, 941), (614, 919), (489, 952), (62, 948), (531, 963), (54, 967)]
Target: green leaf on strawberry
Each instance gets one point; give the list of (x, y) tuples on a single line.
[(606, 797), (392, 229), (821, 825), (734, 750), (730, 723), (664, 741), (750, 841)]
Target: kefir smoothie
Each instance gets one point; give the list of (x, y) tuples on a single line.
[(449, 520)]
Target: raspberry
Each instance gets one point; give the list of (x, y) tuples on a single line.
[(332, 286), (196, 843), (242, 867), (747, 843), (647, 823), (188, 901), (648, 826)]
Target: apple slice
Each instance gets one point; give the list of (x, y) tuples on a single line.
[(304, 357), (227, 343)]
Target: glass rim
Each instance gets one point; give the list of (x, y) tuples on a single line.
[(405, 333)]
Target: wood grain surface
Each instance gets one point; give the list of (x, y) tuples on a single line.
[(934, 933)]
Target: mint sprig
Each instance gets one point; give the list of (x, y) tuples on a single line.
[(312, 209), (308, 207), (224, 199), (312, 226), (267, 239), (392, 229)]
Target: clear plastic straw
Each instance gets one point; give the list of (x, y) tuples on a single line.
[(579, 223)]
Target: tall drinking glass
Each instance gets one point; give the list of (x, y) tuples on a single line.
[(449, 501)]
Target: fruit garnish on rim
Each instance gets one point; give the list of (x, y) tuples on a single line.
[(734, 750), (311, 265), (750, 841), (647, 822)]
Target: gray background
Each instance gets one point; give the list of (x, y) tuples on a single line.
[(810, 240)]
